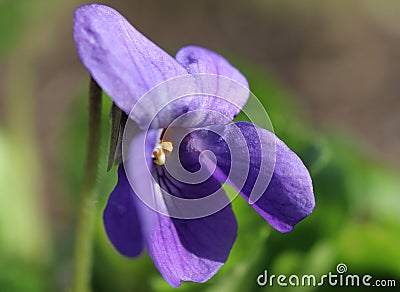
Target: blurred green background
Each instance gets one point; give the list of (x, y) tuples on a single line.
[(327, 73)]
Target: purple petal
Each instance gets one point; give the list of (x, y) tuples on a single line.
[(138, 165), (191, 249), (127, 65), (200, 60), (121, 218), (122, 61), (182, 249), (289, 196)]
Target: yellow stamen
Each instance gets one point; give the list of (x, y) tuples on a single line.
[(167, 147), (161, 151)]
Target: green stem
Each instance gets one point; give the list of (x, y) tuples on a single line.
[(86, 219)]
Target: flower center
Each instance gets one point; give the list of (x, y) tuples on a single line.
[(161, 151)]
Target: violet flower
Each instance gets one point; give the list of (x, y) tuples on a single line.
[(127, 65)]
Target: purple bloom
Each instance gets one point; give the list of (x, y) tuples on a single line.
[(127, 65)]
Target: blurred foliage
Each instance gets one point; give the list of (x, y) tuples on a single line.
[(356, 220), (11, 15)]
